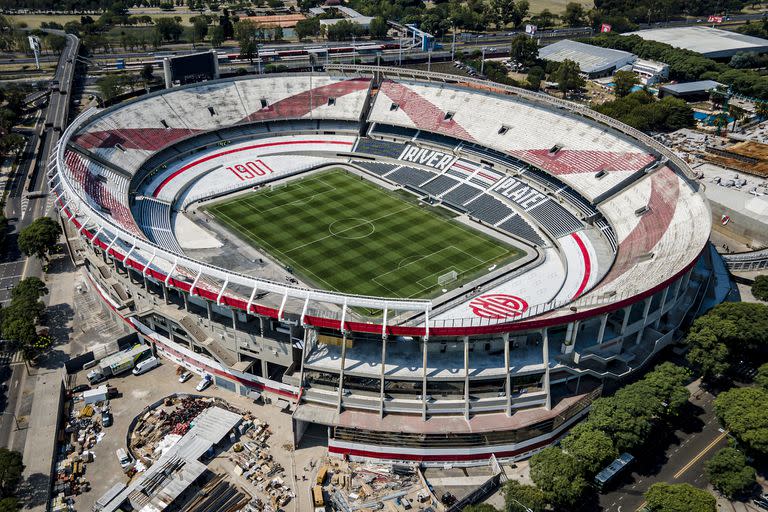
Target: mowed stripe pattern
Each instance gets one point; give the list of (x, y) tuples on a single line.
[(343, 233)]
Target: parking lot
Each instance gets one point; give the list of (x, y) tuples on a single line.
[(137, 392)]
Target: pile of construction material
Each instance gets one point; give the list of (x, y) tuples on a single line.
[(253, 462), (217, 496), (171, 418), (368, 486), (82, 430)]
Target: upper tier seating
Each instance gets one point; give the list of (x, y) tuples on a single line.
[(575, 149), (128, 133)]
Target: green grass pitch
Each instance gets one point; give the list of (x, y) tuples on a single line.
[(340, 232)]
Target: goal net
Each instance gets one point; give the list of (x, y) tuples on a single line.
[(448, 277)]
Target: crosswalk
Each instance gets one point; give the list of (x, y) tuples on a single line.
[(10, 357)]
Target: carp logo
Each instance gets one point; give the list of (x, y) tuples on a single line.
[(497, 306)]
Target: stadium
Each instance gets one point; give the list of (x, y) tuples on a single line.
[(428, 267)]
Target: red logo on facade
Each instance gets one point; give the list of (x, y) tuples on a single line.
[(498, 306)]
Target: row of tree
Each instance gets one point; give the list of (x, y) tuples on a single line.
[(641, 110)]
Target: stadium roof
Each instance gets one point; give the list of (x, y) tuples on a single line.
[(708, 41), (591, 59)]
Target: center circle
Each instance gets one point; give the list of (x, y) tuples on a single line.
[(352, 228)]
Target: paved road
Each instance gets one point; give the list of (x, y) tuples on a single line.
[(682, 461), (21, 210)]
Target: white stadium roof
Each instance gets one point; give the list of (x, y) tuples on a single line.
[(591, 59)]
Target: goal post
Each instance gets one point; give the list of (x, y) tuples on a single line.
[(448, 277)]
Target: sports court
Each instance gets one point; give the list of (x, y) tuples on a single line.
[(343, 233)]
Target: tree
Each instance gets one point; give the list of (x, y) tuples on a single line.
[(505, 12), (56, 43), (743, 411), (761, 378), (568, 77), (574, 14), (3, 229), (730, 331), (169, 29), (308, 27), (11, 468), (519, 497), (524, 50), (592, 448), (624, 81), (9, 505), (729, 473), (378, 28), (544, 20), (147, 72), (559, 476), (760, 287), (29, 290), (39, 238), (246, 35), (217, 36), (626, 423), (663, 497), (199, 29)]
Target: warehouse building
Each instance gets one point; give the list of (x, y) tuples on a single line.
[(594, 61), (709, 42)]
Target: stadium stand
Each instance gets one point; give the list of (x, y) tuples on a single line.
[(462, 194), (379, 147), (439, 185), (555, 219), (488, 209), (574, 150), (380, 168), (154, 218), (406, 175), (517, 226)]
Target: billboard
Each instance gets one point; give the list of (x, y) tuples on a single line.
[(605, 27), (715, 19), (187, 69), (530, 29)]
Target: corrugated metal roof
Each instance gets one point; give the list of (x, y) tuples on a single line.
[(688, 87), (591, 59)]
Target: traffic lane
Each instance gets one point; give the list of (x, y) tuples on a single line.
[(675, 457), (12, 377), (10, 273)]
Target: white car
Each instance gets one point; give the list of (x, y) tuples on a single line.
[(203, 384), (185, 377)]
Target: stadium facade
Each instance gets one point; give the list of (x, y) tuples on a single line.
[(613, 226)]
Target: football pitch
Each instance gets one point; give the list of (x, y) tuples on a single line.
[(343, 233)]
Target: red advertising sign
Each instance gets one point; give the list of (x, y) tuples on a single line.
[(715, 19), (605, 27)]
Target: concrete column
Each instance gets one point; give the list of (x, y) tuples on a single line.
[(545, 357), (687, 279), (601, 332), (234, 319), (341, 369), (261, 326), (424, 380), (661, 307), (508, 378), (185, 296), (677, 290), (264, 369), (165, 293), (466, 377), (210, 313), (383, 375), (625, 320), (304, 352), (646, 309)]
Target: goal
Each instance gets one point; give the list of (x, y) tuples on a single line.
[(448, 277)]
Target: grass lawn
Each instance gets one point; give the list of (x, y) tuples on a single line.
[(343, 233)]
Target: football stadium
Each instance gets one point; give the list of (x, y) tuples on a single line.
[(420, 266)]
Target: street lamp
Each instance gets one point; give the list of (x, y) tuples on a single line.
[(482, 62), (524, 507)]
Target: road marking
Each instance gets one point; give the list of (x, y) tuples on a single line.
[(700, 455)]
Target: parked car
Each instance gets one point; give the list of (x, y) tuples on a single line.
[(203, 384), (124, 458), (80, 388), (107, 419), (146, 365), (96, 376), (185, 377)]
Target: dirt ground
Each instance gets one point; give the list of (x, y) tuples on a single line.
[(138, 392)]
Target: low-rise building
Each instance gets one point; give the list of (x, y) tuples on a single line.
[(594, 61)]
